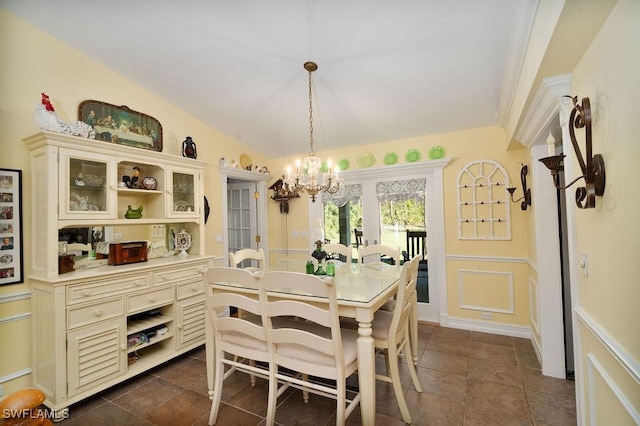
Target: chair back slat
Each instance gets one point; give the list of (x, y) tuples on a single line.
[(416, 243), (341, 249), (250, 259), (379, 250)]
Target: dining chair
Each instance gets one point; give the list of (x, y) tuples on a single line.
[(315, 346), (375, 254), (358, 234), (380, 253), (391, 334), (416, 244), (242, 337), (340, 249), (237, 259)]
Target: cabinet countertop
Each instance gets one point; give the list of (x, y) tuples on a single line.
[(111, 270)]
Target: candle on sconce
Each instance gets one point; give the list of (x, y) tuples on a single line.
[(551, 145)]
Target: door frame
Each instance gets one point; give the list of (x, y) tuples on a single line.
[(434, 202), (261, 180)]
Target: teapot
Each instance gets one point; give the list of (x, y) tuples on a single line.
[(182, 241)]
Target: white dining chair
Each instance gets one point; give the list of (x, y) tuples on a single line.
[(315, 346), (242, 337), (373, 253), (342, 250), (391, 332), (256, 257)]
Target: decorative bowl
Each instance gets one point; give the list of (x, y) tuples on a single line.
[(149, 183)]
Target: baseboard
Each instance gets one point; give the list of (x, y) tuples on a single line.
[(512, 330)]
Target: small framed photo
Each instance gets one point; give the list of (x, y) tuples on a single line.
[(11, 262)]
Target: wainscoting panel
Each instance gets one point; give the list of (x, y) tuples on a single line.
[(604, 394), (487, 291), (534, 306)]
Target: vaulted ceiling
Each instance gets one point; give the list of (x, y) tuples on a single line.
[(386, 70)]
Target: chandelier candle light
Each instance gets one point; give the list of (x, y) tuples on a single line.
[(307, 176)]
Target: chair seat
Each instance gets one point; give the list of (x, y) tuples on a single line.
[(349, 344), (379, 325)]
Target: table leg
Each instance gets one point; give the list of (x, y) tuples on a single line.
[(413, 330), (366, 373), (209, 355)]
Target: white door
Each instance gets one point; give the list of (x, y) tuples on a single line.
[(384, 219), (241, 214)]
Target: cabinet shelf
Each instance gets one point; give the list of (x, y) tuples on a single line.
[(153, 341), (139, 324), (139, 191)]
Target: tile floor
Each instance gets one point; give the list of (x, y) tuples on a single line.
[(468, 378)]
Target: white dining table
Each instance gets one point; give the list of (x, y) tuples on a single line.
[(361, 291)]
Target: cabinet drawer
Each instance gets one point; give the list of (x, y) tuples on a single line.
[(193, 288), (89, 314), (191, 273), (150, 299), (105, 288)]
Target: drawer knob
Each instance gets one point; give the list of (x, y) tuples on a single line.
[(194, 288), (165, 278), (138, 283), (86, 292), (123, 347), (98, 312), (153, 298), (179, 326)]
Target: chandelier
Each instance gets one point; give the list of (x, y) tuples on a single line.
[(308, 175)]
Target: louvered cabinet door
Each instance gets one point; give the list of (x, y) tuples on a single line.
[(96, 354), (190, 315)]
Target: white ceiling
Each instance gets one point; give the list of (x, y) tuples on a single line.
[(386, 70)]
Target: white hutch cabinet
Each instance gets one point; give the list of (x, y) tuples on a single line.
[(91, 326)]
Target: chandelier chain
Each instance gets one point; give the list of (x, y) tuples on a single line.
[(313, 151)]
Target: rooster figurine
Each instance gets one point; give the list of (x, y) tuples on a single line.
[(46, 119)]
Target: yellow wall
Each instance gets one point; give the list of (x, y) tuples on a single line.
[(33, 62), (608, 298), (462, 147)]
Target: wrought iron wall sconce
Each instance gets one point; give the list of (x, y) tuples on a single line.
[(592, 170), (526, 198)]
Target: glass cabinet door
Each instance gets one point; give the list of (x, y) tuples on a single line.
[(86, 186), (184, 196)]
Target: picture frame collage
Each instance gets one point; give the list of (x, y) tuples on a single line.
[(11, 253)]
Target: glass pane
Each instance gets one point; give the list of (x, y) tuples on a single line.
[(341, 222), (87, 185), (396, 217), (183, 185)]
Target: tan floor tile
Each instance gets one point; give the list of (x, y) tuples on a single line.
[(449, 363), (496, 372), (230, 416), (446, 385), (106, 415), (527, 359), (522, 344), (428, 409), (476, 417), (449, 345), (148, 396), (497, 397), (493, 339), (183, 409), (552, 409), (294, 411), (535, 381), (494, 353), (451, 333)]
